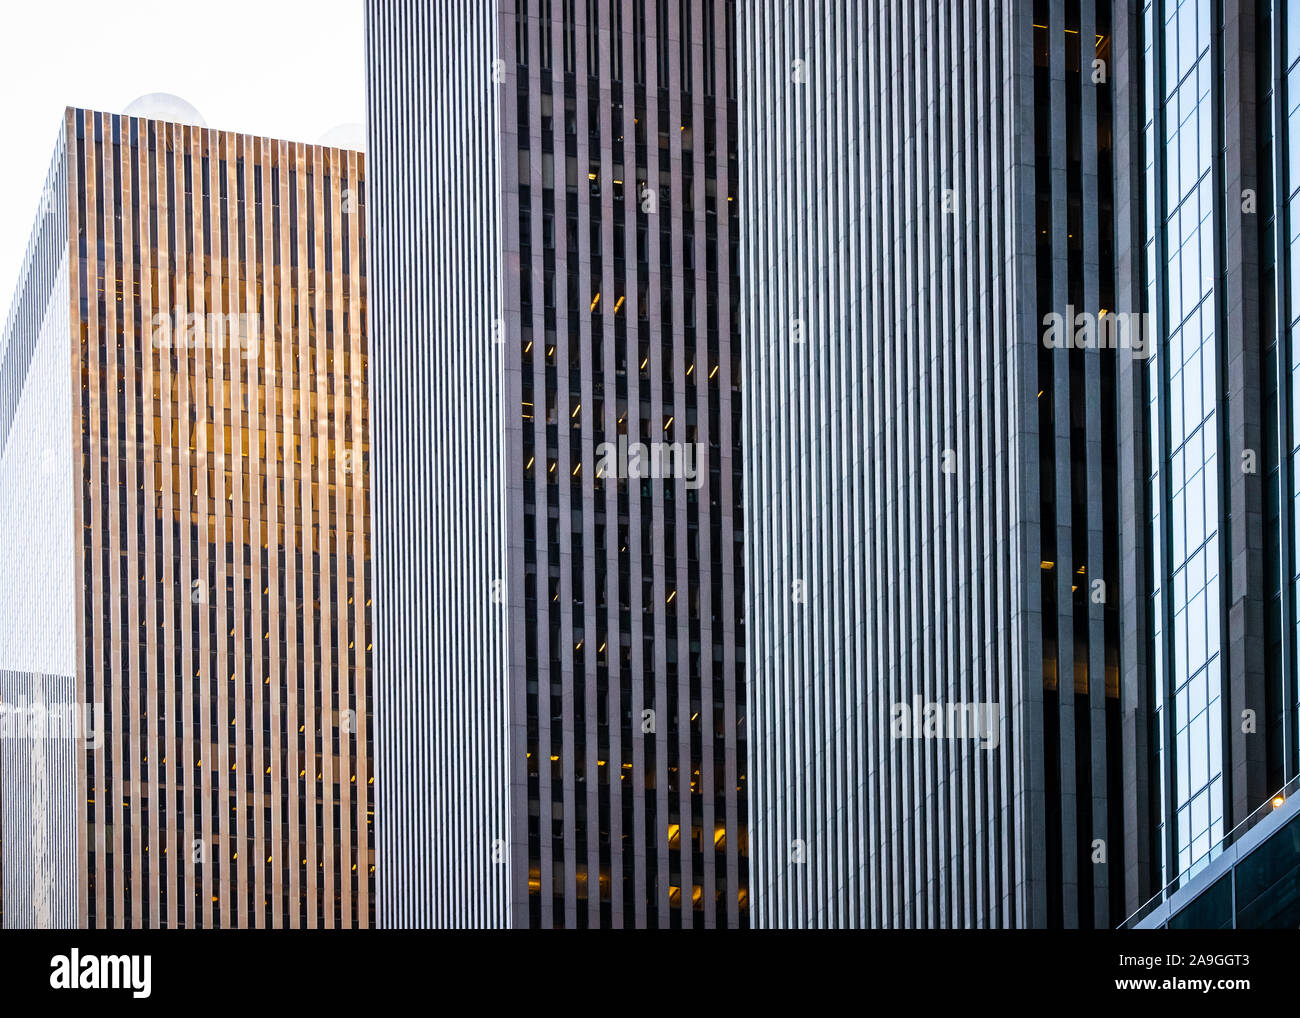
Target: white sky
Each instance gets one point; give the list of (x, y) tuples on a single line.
[(283, 68)]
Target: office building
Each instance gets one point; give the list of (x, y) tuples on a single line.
[(1222, 251), (1250, 880), (559, 638), (935, 564), (1019, 430), (183, 424)]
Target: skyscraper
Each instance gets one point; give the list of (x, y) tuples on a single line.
[(559, 636), (184, 431), (935, 562), (1017, 316), (1221, 236)]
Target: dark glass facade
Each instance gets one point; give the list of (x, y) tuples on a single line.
[(623, 118), (1078, 405)]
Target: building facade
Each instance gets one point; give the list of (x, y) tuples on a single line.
[(559, 631), (935, 561), (1220, 249), (1250, 880), (38, 644), (1018, 293), (185, 446)]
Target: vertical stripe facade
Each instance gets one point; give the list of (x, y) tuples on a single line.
[(219, 460), (1080, 373), (934, 560), (618, 157), (1140, 778), (622, 553), (443, 580)]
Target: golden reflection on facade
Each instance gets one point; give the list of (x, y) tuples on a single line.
[(219, 350)]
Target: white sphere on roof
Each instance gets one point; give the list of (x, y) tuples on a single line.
[(346, 136), (165, 106)]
